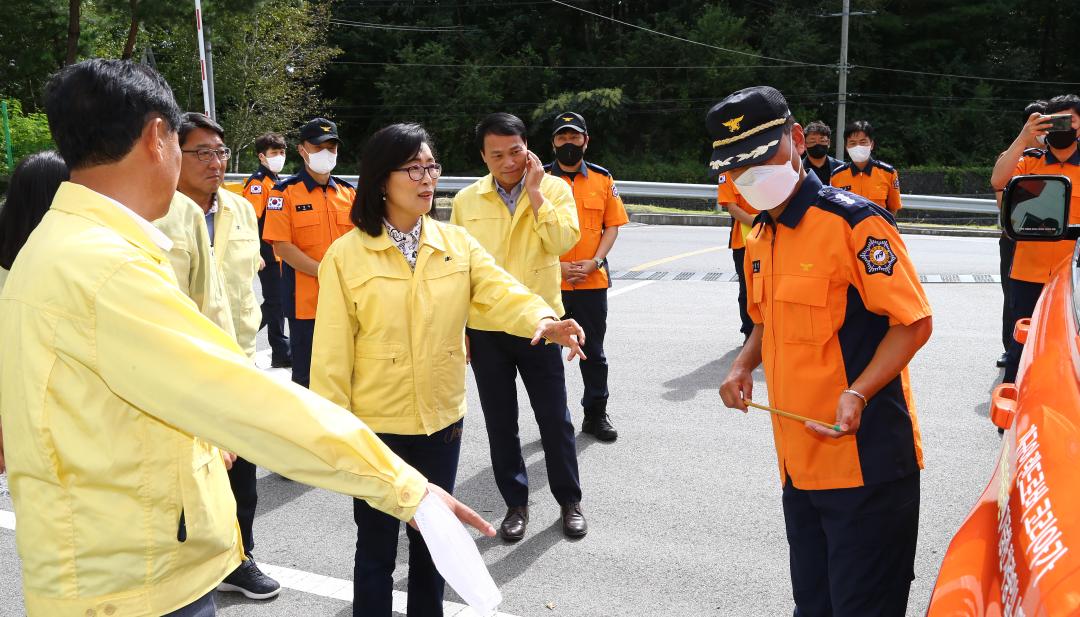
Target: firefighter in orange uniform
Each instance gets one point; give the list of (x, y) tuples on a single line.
[(742, 217), (585, 272), (864, 175), (270, 148), (304, 214), (838, 313)]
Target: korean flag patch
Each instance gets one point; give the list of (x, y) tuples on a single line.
[(877, 256), (256, 189), (275, 203), (614, 191)]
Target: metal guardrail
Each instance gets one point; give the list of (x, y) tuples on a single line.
[(672, 190)]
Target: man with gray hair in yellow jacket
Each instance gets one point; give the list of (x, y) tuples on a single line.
[(215, 255), (526, 219), (115, 392)]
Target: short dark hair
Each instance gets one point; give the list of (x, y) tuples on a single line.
[(388, 149), (859, 126), (1034, 107), (29, 195), (499, 123), (194, 120), (819, 127), (269, 141), (97, 109), (1063, 102)]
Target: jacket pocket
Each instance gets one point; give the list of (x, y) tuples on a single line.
[(207, 514), (449, 375), (381, 379), (592, 215), (306, 229), (802, 309)]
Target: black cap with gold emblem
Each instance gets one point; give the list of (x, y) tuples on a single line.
[(568, 120), (746, 127), (318, 131)]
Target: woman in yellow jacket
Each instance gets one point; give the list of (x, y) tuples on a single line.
[(389, 344)]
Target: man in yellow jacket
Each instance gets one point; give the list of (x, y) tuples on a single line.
[(115, 391), (215, 256), (526, 219)]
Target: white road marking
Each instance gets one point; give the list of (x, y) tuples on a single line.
[(317, 584), (628, 288)]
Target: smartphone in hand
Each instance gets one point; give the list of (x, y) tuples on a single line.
[(1059, 122)]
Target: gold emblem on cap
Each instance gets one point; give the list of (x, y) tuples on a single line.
[(325, 129), (733, 124), (568, 119)]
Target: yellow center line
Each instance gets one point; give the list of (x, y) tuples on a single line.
[(665, 260)]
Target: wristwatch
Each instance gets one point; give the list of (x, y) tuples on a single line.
[(601, 262)]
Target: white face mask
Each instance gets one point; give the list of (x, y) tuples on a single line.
[(767, 186), (275, 163), (322, 162), (859, 154)]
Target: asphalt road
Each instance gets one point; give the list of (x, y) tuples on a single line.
[(684, 509)]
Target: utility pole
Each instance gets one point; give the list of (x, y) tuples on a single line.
[(207, 109), (841, 99), (210, 74)]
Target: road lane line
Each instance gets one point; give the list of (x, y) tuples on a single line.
[(316, 584), (665, 260), (628, 288)]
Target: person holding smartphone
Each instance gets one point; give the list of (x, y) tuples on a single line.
[(526, 219), (1046, 145)]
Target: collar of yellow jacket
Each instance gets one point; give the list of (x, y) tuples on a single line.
[(431, 234), (81, 201)]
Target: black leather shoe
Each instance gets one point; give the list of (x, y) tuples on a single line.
[(573, 521), (281, 363), (514, 523), (599, 426), (1003, 360)]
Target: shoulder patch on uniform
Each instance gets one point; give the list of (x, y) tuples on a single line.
[(275, 203), (614, 190), (853, 208), (256, 189), (721, 180), (885, 166), (1035, 153), (598, 169), (343, 182), (877, 256)]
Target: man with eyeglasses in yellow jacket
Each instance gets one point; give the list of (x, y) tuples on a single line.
[(115, 391), (215, 256)]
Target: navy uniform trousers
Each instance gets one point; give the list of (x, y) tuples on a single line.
[(589, 307), (273, 285), (435, 456), (497, 358), (852, 550)]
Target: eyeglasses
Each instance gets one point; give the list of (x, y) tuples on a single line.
[(204, 154), (416, 172)]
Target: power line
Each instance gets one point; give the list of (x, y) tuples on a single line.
[(958, 76), (685, 40), (577, 67), (397, 28)]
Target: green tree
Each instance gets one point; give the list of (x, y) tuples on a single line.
[(29, 134)]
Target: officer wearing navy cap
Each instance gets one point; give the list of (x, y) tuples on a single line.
[(838, 313)]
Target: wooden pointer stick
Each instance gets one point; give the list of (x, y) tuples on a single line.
[(835, 427)]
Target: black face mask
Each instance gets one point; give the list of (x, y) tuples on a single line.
[(569, 154), (1061, 139), (818, 151)]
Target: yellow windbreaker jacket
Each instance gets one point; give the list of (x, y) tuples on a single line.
[(236, 250), (107, 371), (389, 341), (527, 246)]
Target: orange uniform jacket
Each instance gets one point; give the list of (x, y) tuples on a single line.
[(1034, 261), (598, 207), (727, 193), (879, 182), (311, 216), (827, 279)]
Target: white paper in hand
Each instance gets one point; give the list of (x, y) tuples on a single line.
[(456, 556)]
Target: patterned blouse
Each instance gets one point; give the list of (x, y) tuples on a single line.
[(408, 243)]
